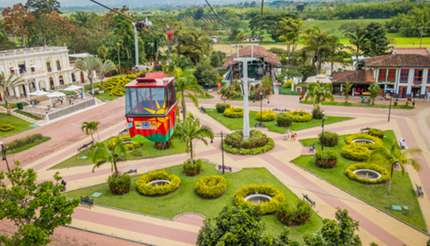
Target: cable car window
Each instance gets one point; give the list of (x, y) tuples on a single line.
[(145, 101)]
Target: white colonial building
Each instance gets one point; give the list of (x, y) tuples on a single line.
[(41, 68)]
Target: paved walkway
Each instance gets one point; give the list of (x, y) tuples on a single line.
[(375, 226)]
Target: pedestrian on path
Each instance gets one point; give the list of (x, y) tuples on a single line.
[(293, 136)]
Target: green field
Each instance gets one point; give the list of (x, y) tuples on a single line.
[(147, 150), (334, 26), (376, 195), (236, 123), (185, 200), (20, 125)]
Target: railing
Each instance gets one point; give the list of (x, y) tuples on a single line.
[(76, 107)]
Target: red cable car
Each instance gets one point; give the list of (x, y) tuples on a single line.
[(150, 103)]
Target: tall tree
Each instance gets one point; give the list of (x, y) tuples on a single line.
[(36, 208), (90, 128), (377, 42), (357, 36), (17, 21), (318, 44), (91, 65), (189, 130), (43, 6), (6, 83), (186, 87), (193, 44), (290, 30)]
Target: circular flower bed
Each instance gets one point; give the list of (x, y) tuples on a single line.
[(355, 152), (266, 116), (257, 143), (262, 207), (367, 173), (299, 116), (367, 140), (211, 186), (157, 183), (233, 112)]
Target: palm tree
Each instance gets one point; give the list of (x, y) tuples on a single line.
[(112, 152), (396, 157), (290, 29), (106, 67), (374, 91), (347, 88), (319, 92), (319, 45), (186, 87), (358, 38), (91, 65), (7, 82), (190, 129), (90, 128)]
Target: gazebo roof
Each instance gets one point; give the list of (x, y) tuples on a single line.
[(254, 51)]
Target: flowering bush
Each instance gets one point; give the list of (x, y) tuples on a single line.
[(299, 116), (266, 116), (211, 186), (233, 112)]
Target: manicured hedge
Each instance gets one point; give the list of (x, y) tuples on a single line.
[(293, 216), (211, 186), (119, 183), (326, 159), (355, 152), (329, 139), (233, 112), (376, 133), (385, 176), (192, 168), (266, 116), (299, 116), (5, 127), (264, 207), (144, 188), (221, 107), (377, 142), (25, 143), (283, 120), (257, 143)]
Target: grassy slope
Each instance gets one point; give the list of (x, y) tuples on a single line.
[(20, 125), (375, 195), (235, 124), (185, 200), (147, 150)]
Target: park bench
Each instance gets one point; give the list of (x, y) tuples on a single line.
[(419, 191), (280, 110), (86, 201), (308, 199), (365, 130), (123, 131), (226, 168), (131, 171), (84, 146)]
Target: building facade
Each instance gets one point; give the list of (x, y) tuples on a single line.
[(405, 72), (41, 68)]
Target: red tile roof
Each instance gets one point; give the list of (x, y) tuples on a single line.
[(356, 77), (398, 60), (255, 51), (414, 51)]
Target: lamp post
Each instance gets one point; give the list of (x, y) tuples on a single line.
[(222, 153), (322, 132), (260, 122), (389, 108), (3, 151)]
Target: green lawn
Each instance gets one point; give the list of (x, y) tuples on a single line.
[(147, 150), (375, 195), (20, 125), (236, 123), (185, 200), (28, 146)]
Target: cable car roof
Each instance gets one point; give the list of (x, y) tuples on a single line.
[(153, 79)]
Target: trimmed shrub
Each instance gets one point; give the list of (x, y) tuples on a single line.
[(119, 183), (355, 152), (299, 116), (317, 113), (283, 120), (385, 176), (221, 107), (5, 127), (192, 168), (211, 186), (144, 187), (329, 139), (377, 142), (376, 133), (326, 159), (15, 145), (257, 143), (266, 116), (293, 216), (264, 207), (233, 112)]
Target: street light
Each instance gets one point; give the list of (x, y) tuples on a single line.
[(322, 132), (260, 122), (3, 150), (389, 108)]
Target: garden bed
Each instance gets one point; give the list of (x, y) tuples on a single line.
[(374, 194), (185, 200), (146, 150), (236, 123), (18, 124), (26, 143)]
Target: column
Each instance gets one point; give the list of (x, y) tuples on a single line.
[(36, 84), (27, 90), (397, 81), (376, 75), (17, 92), (424, 82), (56, 81), (47, 84), (410, 81)]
